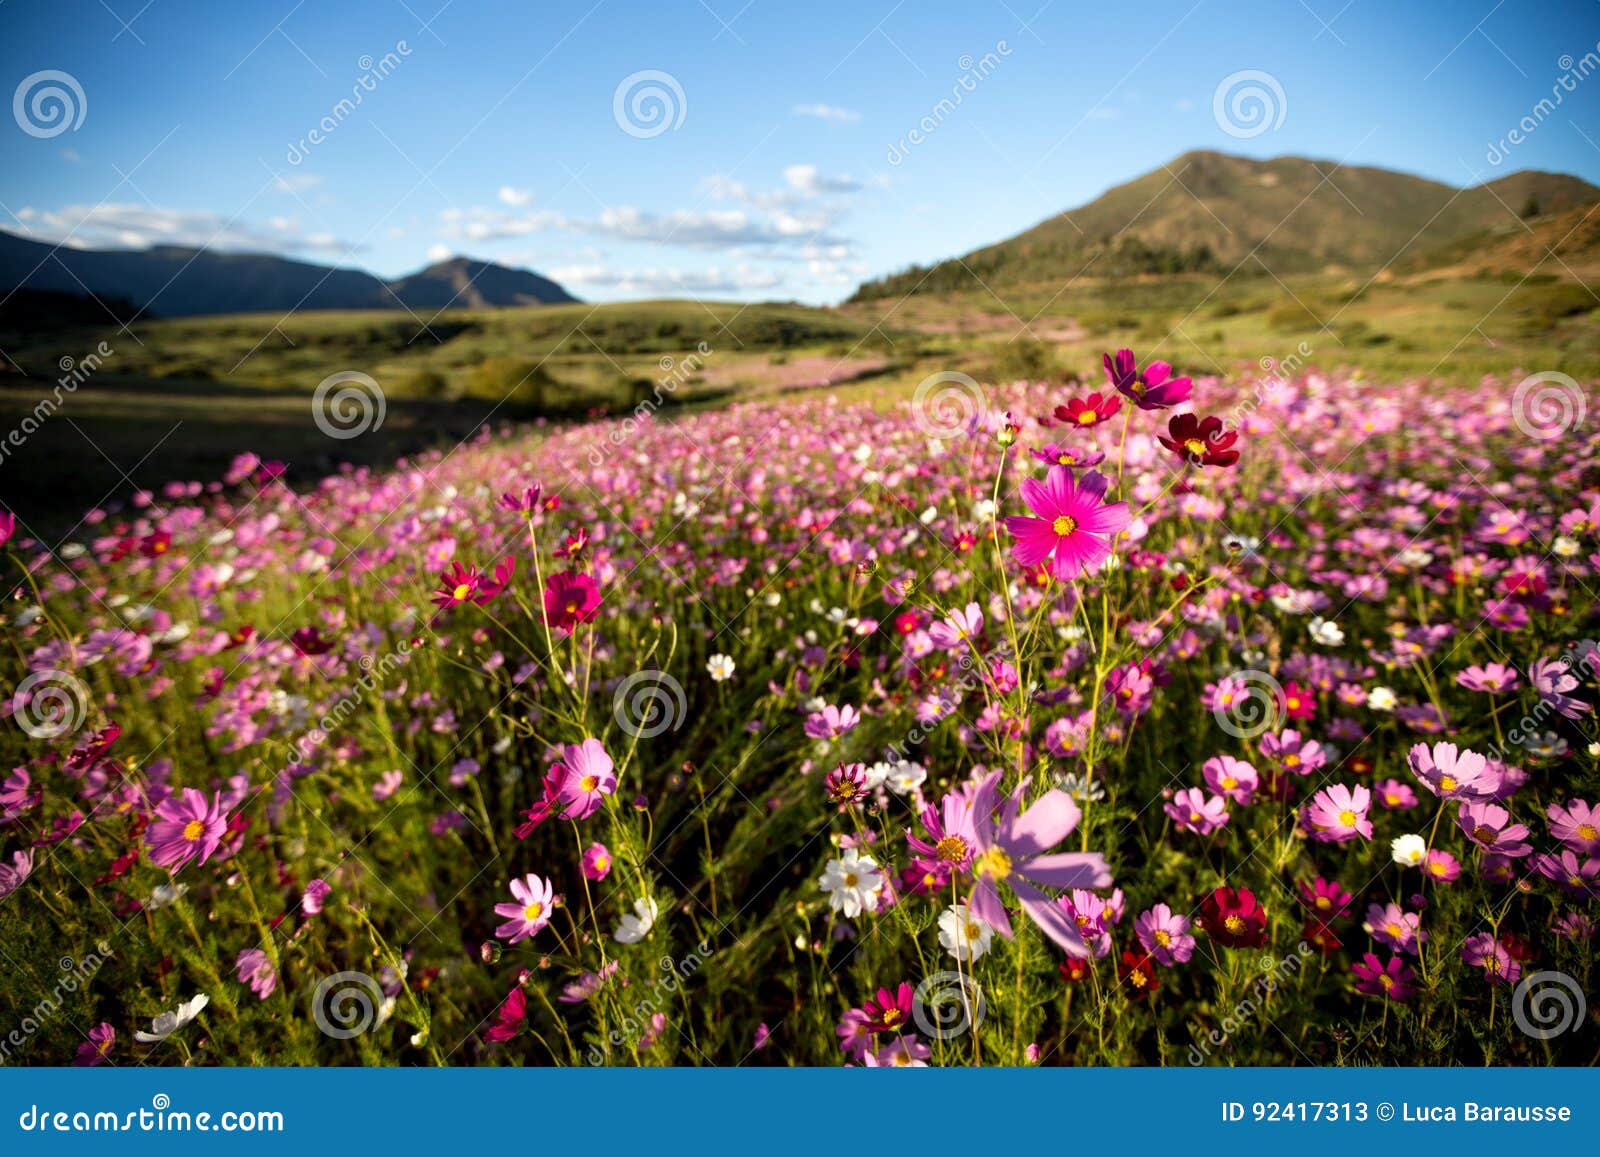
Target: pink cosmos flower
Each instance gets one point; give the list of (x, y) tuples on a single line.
[(1450, 772), (1485, 952), (255, 969), (570, 598), (957, 627), (831, 722), (1073, 522), (1231, 777), (596, 862), (1440, 865), (316, 892), (1338, 813), (1327, 899), (1392, 925), (1579, 879), (1014, 847), (1491, 678), (535, 904), (1577, 825), (1165, 935), (1396, 796), (587, 778), (1193, 811), (1489, 826), (1152, 389), (187, 827)]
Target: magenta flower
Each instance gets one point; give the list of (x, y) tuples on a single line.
[(957, 627), (1396, 796), (535, 904), (1073, 522), (316, 893), (1154, 388), (1014, 847), (1193, 811), (1489, 826), (1450, 772), (1552, 679), (1294, 754), (1165, 935), (187, 827), (1392, 981), (596, 862), (587, 777), (255, 969), (1327, 899), (102, 1038), (1440, 865), (1576, 878), (1485, 952), (1338, 813)]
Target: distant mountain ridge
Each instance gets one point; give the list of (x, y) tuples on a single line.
[(173, 281), (1208, 211)]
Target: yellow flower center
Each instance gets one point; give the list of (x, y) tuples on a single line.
[(1087, 418), (1291, 760), (1229, 783), (1587, 832), (1195, 447), (951, 849), (193, 830), (533, 911), (1347, 818), (1394, 930), (461, 592), (851, 879), (1234, 924), (994, 863), (1386, 980), (1447, 783), (589, 782), (1063, 525), (1163, 937)]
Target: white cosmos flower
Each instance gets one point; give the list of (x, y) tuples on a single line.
[(720, 668), (962, 934), (1564, 547), (1381, 699), (163, 894), (170, 1022), (637, 925), (852, 882), (1326, 633), (906, 777), (1409, 850)]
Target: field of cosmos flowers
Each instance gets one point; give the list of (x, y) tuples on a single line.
[(1132, 720)]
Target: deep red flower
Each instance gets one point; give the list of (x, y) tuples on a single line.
[(570, 598), (92, 750), (1233, 918), (1201, 441), (1138, 973), (1074, 969), (309, 642), (156, 544), (457, 585), (1321, 937), (1089, 411), (509, 1017)]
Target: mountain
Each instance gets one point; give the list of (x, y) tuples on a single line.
[(462, 283), (1208, 212), (171, 281)]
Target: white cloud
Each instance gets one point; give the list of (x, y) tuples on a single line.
[(296, 182), (717, 229), (438, 252), (129, 226), (827, 112), (809, 181), (514, 197), (656, 282)]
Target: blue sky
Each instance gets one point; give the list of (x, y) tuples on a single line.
[(785, 168)]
